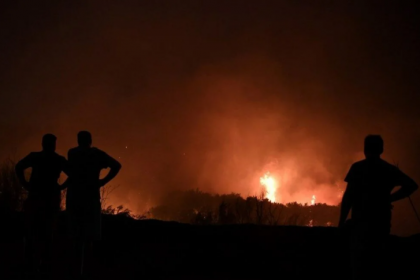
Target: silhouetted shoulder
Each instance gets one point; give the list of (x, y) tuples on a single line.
[(34, 154), (60, 159), (395, 176), (388, 165), (379, 170), (29, 160), (72, 150), (355, 170), (75, 154), (97, 152), (358, 164), (103, 158)]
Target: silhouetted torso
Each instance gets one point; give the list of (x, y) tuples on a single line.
[(46, 169), (85, 165), (373, 180)]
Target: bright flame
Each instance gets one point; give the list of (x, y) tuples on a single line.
[(313, 200), (270, 187)]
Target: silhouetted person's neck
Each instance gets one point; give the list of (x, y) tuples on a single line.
[(84, 147), (372, 157), (48, 148), (48, 151)]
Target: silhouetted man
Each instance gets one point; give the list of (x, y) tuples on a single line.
[(368, 196), (44, 198), (83, 193)]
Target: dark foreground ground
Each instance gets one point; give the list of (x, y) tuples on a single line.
[(152, 249)]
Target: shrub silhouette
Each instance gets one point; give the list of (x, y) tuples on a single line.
[(198, 207), (192, 206), (12, 194)]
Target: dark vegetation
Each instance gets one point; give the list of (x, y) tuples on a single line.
[(220, 237), (12, 195), (198, 207), (152, 249), (194, 206)]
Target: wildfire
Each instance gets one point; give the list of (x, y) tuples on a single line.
[(270, 186), (313, 200), (311, 223)]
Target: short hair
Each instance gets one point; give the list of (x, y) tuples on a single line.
[(374, 144), (84, 138), (48, 138), (48, 141)]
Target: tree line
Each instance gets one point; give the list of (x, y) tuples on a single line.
[(192, 206)]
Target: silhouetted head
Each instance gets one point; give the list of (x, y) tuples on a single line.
[(49, 142), (84, 139), (374, 146)]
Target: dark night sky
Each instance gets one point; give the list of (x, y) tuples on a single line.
[(211, 94)]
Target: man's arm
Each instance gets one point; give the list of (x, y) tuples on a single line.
[(20, 168), (66, 167), (115, 167), (408, 186), (67, 170), (346, 204)]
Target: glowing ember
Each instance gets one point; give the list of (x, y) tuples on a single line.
[(270, 186), (313, 200)]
